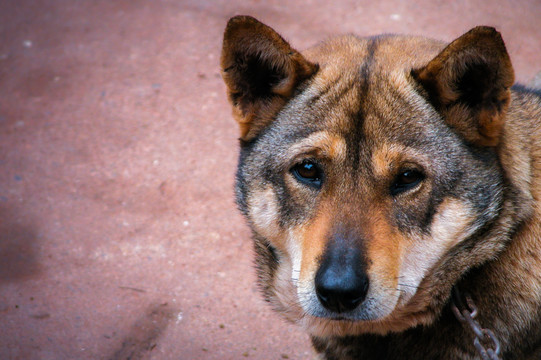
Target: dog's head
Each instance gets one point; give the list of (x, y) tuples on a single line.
[(369, 170)]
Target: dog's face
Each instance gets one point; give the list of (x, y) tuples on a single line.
[(367, 172)]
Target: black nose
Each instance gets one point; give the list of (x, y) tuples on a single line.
[(341, 282)]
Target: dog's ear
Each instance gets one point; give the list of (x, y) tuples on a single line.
[(261, 71), (468, 82)]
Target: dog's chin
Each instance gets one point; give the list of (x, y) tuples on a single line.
[(369, 310), (348, 316), (372, 316), (339, 325)]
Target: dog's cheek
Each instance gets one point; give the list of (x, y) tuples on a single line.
[(451, 224), (290, 289), (263, 216), (285, 298)]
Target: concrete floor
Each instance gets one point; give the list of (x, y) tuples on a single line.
[(119, 238)]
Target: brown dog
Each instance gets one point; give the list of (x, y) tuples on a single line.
[(379, 174)]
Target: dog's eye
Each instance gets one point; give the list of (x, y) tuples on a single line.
[(406, 180), (309, 173)]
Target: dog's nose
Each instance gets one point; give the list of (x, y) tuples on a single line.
[(341, 282)]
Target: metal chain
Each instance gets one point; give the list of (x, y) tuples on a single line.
[(466, 314)]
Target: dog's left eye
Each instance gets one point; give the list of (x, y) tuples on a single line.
[(406, 180), (308, 173)]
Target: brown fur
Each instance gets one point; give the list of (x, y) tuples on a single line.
[(366, 112)]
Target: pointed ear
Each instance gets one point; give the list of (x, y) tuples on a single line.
[(261, 71), (468, 83)]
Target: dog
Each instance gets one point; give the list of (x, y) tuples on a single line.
[(381, 175)]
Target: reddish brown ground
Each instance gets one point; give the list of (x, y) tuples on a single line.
[(119, 237)]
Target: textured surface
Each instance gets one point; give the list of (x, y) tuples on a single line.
[(119, 237)]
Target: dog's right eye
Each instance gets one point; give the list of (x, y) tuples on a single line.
[(406, 180), (308, 173)]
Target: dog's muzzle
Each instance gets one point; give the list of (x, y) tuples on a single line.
[(341, 281)]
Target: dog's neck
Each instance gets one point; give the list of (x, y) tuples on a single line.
[(519, 263), (520, 149)]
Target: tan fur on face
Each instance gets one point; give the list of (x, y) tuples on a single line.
[(384, 158), (322, 144), (313, 245), (387, 159), (384, 252)]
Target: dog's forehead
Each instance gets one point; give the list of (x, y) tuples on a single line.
[(363, 90), (388, 52)]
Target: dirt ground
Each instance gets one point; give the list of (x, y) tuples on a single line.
[(119, 237)]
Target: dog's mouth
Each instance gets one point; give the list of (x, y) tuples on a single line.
[(352, 316), (341, 297), (348, 306)]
